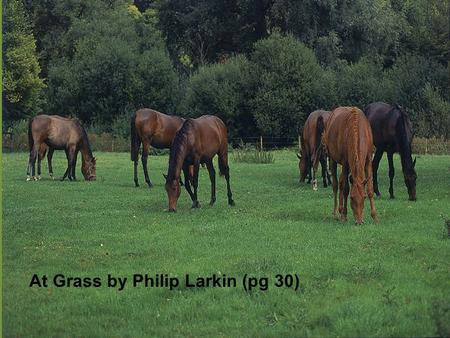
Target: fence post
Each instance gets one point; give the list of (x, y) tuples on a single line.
[(261, 142)]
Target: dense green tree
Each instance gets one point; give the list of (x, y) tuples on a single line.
[(21, 83), (287, 78), (53, 18), (120, 64), (222, 89)]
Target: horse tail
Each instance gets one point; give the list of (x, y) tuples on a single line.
[(30, 135), (135, 140), (320, 127)]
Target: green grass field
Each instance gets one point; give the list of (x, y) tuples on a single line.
[(388, 279)]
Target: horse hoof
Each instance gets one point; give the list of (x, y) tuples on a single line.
[(195, 205), (231, 203), (35, 178), (38, 178), (212, 202), (28, 178), (392, 197)]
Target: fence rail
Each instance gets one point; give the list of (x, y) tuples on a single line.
[(107, 142)]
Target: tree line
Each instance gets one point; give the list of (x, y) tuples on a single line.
[(260, 65)]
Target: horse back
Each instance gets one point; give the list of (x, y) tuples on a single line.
[(56, 131), (348, 136), (310, 128), (211, 135), (384, 120), (157, 128)]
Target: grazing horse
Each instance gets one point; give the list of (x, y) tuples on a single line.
[(198, 141), (151, 128), (60, 133), (348, 141), (311, 148), (392, 132)]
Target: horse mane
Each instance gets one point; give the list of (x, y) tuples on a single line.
[(179, 143), (354, 139), (85, 138)]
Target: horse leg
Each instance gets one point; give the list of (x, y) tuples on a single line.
[(375, 164), (72, 154), (370, 192), (136, 183), (323, 163), (187, 185), (391, 174), (308, 170), (225, 170), (327, 165), (33, 160), (41, 155), (74, 165), (195, 203), (212, 177), (68, 166), (31, 163), (343, 194), (333, 167), (49, 160), (145, 148)]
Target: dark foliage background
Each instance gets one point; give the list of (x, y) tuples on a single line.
[(261, 65)]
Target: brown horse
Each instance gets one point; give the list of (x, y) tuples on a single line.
[(348, 141), (392, 132), (151, 128), (311, 150), (60, 133), (198, 141)]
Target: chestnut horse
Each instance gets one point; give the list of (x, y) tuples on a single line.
[(151, 128), (60, 133), (392, 133), (348, 141), (311, 150), (198, 141)]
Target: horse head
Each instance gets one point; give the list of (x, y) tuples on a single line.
[(410, 180), (88, 169), (357, 197), (173, 192)]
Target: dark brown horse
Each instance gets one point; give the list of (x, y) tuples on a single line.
[(198, 141), (60, 133), (151, 128), (348, 141), (392, 132), (311, 150)]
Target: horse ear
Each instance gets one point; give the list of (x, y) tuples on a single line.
[(414, 162), (299, 157), (165, 176)]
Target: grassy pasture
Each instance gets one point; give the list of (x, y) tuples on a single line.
[(389, 279)]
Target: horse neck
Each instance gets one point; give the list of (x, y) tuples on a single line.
[(176, 159), (354, 133), (85, 149)]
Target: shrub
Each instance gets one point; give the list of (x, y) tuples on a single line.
[(251, 154)]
